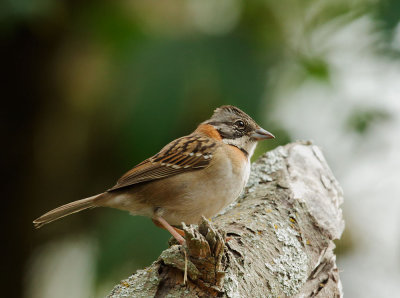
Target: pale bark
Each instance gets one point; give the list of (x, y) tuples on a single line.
[(280, 238)]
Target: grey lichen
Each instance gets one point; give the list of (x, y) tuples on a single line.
[(268, 163), (231, 286), (291, 265)]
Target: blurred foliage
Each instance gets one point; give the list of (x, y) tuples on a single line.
[(110, 83), (361, 119), (316, 68), (122, 239), (388, 14)]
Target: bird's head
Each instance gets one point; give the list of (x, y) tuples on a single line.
[(238, 129)]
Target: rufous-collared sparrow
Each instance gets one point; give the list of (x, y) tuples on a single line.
[(193, 176)]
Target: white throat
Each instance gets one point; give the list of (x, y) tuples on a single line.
[(243, 143)]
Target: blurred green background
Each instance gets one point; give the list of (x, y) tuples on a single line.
[(92, 88)]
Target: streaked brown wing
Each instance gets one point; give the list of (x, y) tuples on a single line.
[(184, 154)]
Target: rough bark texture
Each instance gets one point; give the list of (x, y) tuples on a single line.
[(279, 238)]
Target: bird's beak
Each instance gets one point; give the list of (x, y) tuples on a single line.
[(262, 134)]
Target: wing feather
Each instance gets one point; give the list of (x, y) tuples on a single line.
[(185, 154)]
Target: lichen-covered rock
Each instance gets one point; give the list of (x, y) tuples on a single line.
[(280, 236)]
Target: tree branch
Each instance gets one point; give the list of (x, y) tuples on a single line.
[(280, 238)]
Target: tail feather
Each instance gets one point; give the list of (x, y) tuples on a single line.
[(66, 209)]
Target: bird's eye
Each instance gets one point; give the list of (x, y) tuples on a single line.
[(239, 124)]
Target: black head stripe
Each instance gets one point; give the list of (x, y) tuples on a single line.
[(216, 123), (229, 134)]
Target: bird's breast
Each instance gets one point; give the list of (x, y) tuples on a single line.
[(206, 192)]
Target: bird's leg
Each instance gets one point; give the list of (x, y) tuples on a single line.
[(175, 232), (179, 231)]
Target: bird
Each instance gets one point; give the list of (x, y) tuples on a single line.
[(193, 176)]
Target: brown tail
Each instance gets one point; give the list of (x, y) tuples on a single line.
[(66, 209)]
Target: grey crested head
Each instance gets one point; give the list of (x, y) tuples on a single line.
[(238, 129)]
